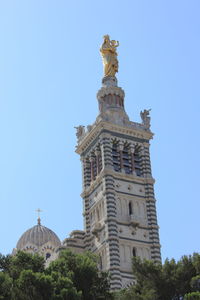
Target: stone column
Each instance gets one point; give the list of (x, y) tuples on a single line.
[(146, 162), (132, 150), (106, 151), (97, 153), (86, 171), (151, 204), (120, 147), (112, 233), (152, 222), (111, 228), (92, 167)]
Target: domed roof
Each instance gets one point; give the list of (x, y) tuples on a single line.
[(37, 236)]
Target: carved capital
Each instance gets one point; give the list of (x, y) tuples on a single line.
[(91, 158), (120, 146), (132, 148), (97, 152)]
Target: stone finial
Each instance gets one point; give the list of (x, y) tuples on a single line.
[(38, 219)]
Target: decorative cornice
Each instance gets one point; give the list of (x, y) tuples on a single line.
[(132, 130)]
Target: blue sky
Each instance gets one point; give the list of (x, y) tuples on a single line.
[(50, 72)]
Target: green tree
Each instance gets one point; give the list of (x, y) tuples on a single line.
[(195, 283), (169, 281), (82, 269), (64, 288), (192, 296), (32, 286), (23, 277), (184, 273), (196, 262), (25, 261), (5, 286), (5, 262)]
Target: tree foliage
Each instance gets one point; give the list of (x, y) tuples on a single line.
[(76, 277), (170, 281), (192, 296), (70, 277)]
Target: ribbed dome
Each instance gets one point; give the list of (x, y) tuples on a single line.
[(37, 236)]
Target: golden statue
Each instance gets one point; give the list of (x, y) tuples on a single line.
[(109, 55)]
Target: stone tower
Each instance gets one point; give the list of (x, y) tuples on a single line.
[(118, 188)]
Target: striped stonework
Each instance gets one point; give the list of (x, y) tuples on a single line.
[(119, 209)]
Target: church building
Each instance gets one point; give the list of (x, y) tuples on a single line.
[(119, 206)]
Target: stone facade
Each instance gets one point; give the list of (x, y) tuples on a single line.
[(118, 188), (118, 192)]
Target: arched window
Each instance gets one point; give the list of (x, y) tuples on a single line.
[(130, 208), (116, 157), (126, 160), (87, 171), (137, 162), (100, 162), (94, 165), (134, 252), (48, 255), (98, 159)]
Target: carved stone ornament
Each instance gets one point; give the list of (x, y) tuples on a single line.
[(145, 116), (80, 131)]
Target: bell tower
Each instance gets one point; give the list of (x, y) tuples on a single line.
[(118, 188)]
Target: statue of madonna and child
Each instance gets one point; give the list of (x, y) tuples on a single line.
[(109, 56)]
